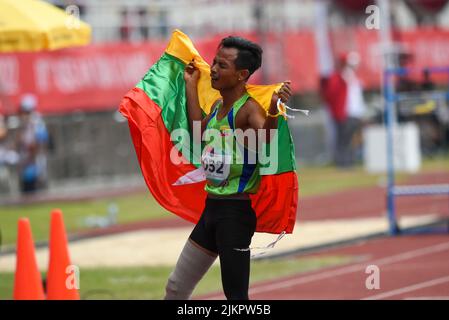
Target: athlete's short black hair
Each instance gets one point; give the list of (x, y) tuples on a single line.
[(249, 56)]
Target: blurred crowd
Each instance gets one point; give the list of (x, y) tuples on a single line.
[(23, 146), (419, 100)]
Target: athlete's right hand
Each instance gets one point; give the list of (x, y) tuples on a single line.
[(191, 74)]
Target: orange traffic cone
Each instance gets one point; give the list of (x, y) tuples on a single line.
[(27, 279), (62, 278)]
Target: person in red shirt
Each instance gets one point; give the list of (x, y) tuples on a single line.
[(342, 92)]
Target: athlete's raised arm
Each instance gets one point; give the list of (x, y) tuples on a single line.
[(191, 77), (257, 119)]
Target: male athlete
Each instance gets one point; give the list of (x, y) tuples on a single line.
[(228, 221)]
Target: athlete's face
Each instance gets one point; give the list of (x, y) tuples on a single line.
[(223, 72)]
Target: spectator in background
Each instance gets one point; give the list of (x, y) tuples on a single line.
[(7, 156), (405, 83), (342, 92), (31, 144), (143, 24), (3, 128), (434, 123), (125, 26), (427, 84)]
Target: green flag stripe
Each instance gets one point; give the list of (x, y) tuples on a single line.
[(164, 84), (286, 151)]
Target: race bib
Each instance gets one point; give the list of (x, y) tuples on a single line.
[(217, 166)]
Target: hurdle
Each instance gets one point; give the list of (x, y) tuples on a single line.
[(391, 98)]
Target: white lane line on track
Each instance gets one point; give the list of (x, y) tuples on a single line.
[(428, 298), (344, 270), (411, 288)]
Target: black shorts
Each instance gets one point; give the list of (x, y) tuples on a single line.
[(225, 223)]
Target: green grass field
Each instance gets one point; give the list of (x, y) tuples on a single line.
[(132, 208), (312, 181), (149, 282)]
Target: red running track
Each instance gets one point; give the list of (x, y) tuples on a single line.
[(371, 202), (349, 204), (410, 267)]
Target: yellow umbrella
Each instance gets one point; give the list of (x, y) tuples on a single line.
[(34, 25)]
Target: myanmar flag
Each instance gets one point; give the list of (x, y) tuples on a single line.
[(156, 108)]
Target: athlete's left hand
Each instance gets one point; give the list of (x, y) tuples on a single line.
[(284, 93)]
